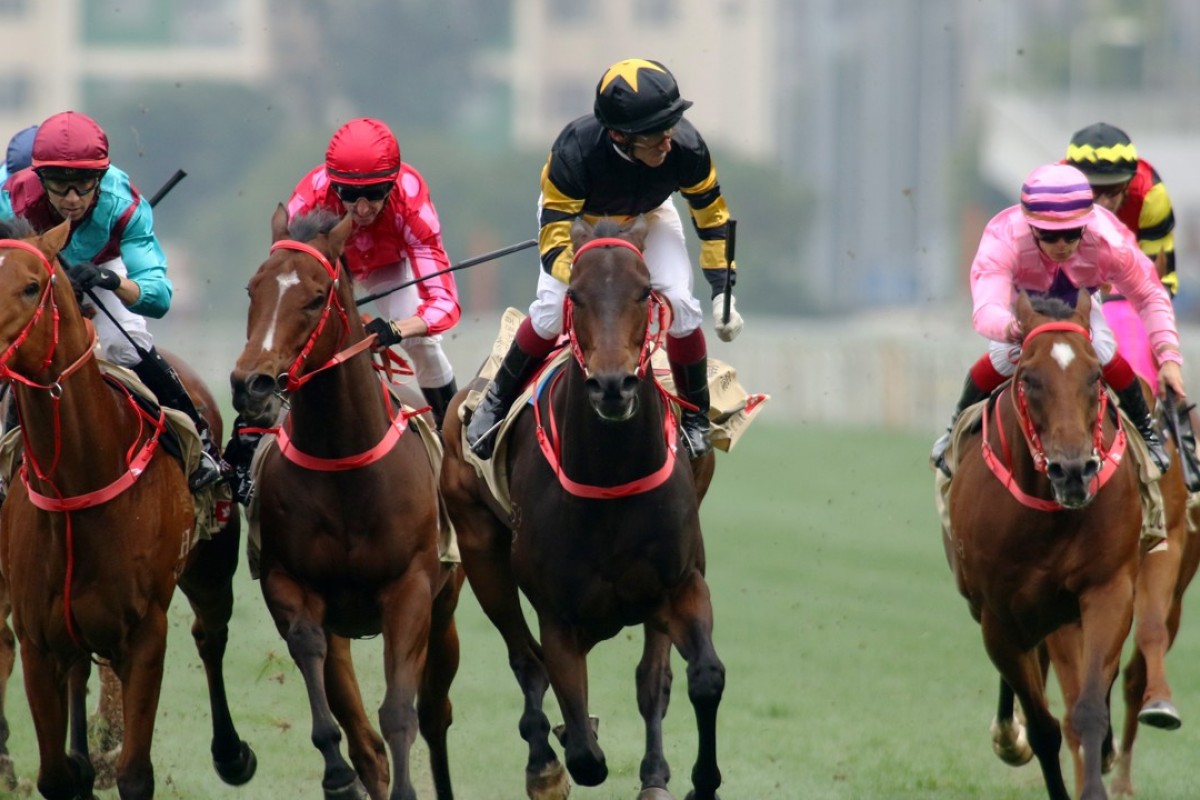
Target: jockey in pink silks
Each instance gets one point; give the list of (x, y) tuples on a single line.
[(1055, 242)]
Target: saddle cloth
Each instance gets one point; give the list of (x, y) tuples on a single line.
[(731, 407)]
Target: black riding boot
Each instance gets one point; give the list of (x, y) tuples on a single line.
[(1133, 403), (501, 392), (1189, 459), (439, 398), (971, 394), (162, 379), (238, 455), (691, 384)]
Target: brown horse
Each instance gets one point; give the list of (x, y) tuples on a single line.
[(94, 537), (604, 529), (1046, 521), (348, 516)]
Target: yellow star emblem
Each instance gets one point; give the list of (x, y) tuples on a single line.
[(628, 71)]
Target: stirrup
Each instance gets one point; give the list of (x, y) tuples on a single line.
[(206, 473), (696, 435), (937, 456), (485, 446)]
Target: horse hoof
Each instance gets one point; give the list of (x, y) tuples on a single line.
[(8, 773), (239, 770), (1010, 743), (1160, 714), (549, 784), (655, 793), (351, 791)]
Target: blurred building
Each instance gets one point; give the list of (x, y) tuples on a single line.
[(54, 47)]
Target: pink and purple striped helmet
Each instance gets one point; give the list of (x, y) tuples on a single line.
[(1057, 197)]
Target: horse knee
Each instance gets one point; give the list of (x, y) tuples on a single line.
[(706, 682)]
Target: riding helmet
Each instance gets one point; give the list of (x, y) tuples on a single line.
[(70, 140), (1104, 153), (361, 152), (1057, 197), (638, 96)]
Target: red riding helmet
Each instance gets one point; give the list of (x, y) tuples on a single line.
[(363, 151), (70, 140)]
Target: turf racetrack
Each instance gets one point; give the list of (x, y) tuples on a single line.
[(853, 668)]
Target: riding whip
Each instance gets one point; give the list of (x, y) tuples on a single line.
[(730, 244), (470, 262)]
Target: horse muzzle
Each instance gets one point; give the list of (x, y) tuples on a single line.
[(613, 396), (256, 397), (1073, 479)]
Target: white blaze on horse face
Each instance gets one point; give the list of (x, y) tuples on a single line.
[(285, 281), (1063, 353)]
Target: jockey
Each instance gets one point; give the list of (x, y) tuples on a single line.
[(19, 154), (112, 251), (397, 237), (1055, 242), (627, 158), (1130, 188)]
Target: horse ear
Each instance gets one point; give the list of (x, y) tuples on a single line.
[(637, 230), (338, 236), (53, 240), (279, 224), (581, 231)]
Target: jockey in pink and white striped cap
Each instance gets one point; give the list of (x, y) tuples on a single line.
[(1057, 197)]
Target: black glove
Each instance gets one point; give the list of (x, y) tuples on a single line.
[(87, 275), (386, 330)]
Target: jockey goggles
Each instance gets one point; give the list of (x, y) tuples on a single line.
[(1050, 237), (652, 140), (61, 188), (1111, 190), (372, 193)]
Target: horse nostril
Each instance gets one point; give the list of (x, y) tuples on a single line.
[(629, 385), (1055, 471), (260, 385), (594, 389), (1091, 468)]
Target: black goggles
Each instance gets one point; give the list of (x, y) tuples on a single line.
[(1050, 237), (63, 187), (372, 193)]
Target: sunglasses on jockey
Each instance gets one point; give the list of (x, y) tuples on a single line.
[(61, 185), (372, 193), (1050, 237)]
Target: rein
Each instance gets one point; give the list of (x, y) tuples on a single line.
[(549, 441), (1110, 456)]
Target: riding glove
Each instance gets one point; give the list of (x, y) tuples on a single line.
[(727, 331), (388, 332), (87, 276)]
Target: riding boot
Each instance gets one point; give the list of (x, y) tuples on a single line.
[(691, 384), (239, 453), (1189, 458), (439, 398), (161, 379), (516, 368), (971, 394), (1133, 403)]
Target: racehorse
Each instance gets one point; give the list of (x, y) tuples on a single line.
[(348, 507), (95, 536), (1045, 521), (604, 529)]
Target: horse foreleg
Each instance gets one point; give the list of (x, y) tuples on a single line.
[(1152, 605), (365, 747), (8, 658), (208, 585), (140, 669), (654, 695), (690, 620), (407, 606), (1009, 742), (434, 711), (1023, 672), (565, 653), (1065, 648), (46, 693), (298, 616), (485, 556), (1106, 615)]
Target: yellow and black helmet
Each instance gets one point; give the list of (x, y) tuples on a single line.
[(638, 96), (1104, 153)]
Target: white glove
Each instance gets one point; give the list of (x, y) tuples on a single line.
[(727, 331)]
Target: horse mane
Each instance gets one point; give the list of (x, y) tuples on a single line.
[(1053, 307), (16, 228), (307, 227)]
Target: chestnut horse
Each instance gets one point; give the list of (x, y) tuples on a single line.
[(348, 513), (94, 537), (1045, 532), (604, 528)]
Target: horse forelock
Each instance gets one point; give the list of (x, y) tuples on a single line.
[(16, 228), (318, 222)]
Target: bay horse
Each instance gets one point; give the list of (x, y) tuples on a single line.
[(348, 513), (94, 537), (603, 532), (1046, 524)]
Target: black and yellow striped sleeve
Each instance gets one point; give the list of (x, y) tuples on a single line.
[(710, 216), (559, 210), (1156, 232)]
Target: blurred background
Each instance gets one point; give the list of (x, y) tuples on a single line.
[(861, 145)]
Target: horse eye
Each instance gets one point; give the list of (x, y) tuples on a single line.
[(31, 289), (573, 296), (645, 294), (316, 303)]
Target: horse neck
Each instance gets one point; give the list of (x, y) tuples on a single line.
[(340, 411), (605, 453)]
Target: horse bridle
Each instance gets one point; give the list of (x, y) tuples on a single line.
[(46, 301), (656, 309)]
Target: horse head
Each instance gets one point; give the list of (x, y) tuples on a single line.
[(33, 291), (609, 312), (1058, 393), (301, 312)]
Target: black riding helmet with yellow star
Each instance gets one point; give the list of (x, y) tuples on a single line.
[(1104, 153), (638, 96)]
